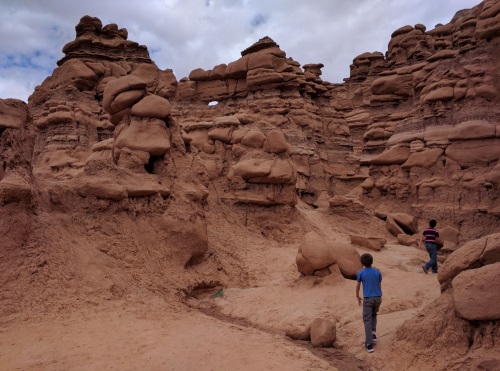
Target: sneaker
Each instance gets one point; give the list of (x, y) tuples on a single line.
[(423, 268), (369, 348), (374, 338)]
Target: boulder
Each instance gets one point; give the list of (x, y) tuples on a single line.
[(152, 106), (323, 332), (476, 293), (473, 254), (299, 330), (393, 227), (408, 223), (406, 240), (348, 260), (372, 243), (314, 253), (146, 134), (116, 87)]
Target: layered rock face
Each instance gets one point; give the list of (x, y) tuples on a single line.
[(94, 175), (110, 139), (415, 130), (273, 135), (427, 117)]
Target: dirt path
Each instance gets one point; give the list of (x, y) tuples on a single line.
[(246, 329)]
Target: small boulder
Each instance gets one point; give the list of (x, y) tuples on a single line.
[(406, 240), (393, 227), (372, 243), (476, 294), (314, 253), (408, 223), (323, 333)]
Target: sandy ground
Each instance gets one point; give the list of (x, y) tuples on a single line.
[(242, 330)]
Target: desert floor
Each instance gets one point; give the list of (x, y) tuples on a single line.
[(242, 330)]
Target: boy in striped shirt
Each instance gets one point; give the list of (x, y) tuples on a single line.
[(430, 236)]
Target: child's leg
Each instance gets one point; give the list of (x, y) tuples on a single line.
[(375, 309), (368, 304)]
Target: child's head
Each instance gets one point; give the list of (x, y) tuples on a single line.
[(432, 223), (367, 260)]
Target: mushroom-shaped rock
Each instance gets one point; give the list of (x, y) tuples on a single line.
[(314, 253), (323, 332), (476, 293), (149, 135), (133, 85), (152, 106)]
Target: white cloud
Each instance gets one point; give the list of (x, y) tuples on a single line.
[(187, 34)]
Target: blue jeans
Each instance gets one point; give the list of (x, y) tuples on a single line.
[(370, 309), (433, 263)]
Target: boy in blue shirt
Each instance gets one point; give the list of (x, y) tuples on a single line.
[(372, 298)]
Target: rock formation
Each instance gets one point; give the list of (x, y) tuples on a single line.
[(110, 147), (463, 321)]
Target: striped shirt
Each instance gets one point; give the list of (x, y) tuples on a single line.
[(431, 235)]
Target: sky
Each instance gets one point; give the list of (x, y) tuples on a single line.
[(187, 34)]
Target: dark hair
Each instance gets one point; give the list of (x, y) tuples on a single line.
[(367, 260), (432, 223)]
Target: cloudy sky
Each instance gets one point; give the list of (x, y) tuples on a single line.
[(187, 34)]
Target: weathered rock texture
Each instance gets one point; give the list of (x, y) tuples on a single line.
[(110, 146), (463, 323), (417, 128)]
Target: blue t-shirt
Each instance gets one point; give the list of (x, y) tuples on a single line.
[(371, 279)]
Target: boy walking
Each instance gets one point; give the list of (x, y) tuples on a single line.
[(430, 236), (372, 298)]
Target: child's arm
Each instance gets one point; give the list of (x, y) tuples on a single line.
[(357, 293)]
